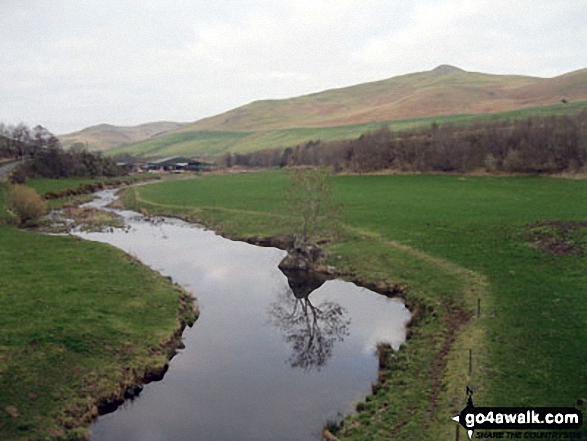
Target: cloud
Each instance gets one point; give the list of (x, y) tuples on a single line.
[(524, 37)]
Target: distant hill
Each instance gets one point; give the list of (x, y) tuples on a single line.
[(445, 93), (106, 136), (445, 90)]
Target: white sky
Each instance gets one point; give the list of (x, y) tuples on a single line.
[(68, 64)]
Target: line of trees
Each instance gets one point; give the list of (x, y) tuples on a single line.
[(538, 144), (19, 142), (42, 155)]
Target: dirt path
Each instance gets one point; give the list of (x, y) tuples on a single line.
[(5, 169)]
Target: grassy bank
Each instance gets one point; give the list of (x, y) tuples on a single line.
[(80, 324), (45, 185), (452, 242)]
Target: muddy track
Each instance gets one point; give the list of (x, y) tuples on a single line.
[(5, 169)]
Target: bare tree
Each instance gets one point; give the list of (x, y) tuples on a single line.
[(310, 206), (21, 136), (536, 144)]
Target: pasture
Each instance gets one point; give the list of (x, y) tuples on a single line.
[(514, 244), (80, 323)]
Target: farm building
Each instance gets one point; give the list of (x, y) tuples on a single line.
[(179, 163)]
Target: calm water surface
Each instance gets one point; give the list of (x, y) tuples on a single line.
[(261, 362)]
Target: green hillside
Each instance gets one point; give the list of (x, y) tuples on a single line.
[(193, 143)]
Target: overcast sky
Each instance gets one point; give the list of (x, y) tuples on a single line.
[(69, 64)]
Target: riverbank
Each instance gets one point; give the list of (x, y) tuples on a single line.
[(82, 326), (422, 381), (438, 329), (459, 246), (440, 295)]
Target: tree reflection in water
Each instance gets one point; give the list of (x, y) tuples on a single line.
[(311, 329)]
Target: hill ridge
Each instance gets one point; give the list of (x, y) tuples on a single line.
[(443, 91), (106, 136)]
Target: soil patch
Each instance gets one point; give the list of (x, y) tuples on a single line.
[(558, 238)]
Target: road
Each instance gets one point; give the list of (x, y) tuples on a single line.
[(5, 169)]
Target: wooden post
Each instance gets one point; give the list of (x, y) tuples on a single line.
[(478, 307), (457, 432)]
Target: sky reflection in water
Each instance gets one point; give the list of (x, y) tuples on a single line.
[(261, 362)]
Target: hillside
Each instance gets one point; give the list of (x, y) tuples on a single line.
[(443, 94), (445, 90), (106, 136), (197, 143)]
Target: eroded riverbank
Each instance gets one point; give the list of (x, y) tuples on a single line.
[(80, 323), (265, 360)]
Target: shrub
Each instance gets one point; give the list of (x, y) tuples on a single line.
[(513, 162), (25, 204), (18, 176), (490, 163)]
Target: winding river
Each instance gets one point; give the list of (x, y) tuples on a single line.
[(268, 359)]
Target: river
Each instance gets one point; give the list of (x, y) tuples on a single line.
[(262, 362)]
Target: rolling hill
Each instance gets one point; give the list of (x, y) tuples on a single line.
[(106, 136), (443, 94), (445, 90)]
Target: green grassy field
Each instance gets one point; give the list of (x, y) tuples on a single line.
[(218, 142), (451, 241), (43, 185), (79, 322)]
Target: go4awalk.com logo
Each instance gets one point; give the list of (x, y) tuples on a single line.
[(520, 422)]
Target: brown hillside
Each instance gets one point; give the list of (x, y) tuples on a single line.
[(106, 136), (445, 90)]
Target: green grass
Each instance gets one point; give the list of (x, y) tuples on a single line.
[(3, 214), (216, 200), (217, 142), (78, 321), (179, 143), (476, 223), (450, 240), (43, 185)]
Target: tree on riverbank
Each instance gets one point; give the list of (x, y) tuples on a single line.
[(309, 206)]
